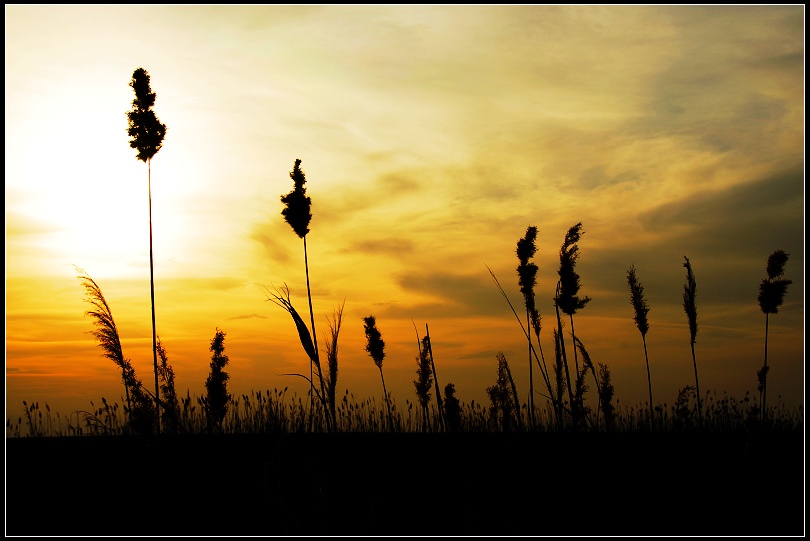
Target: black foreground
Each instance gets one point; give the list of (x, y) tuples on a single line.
[(363, 484)]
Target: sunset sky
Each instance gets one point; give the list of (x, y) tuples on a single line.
[(431, 138)]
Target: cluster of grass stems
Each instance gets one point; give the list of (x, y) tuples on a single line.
[(276, 412)]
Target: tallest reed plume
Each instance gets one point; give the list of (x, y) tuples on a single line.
[(146, 136)]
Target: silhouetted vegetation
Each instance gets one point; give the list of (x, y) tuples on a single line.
[(296, 212), (281, 297), (771, 296), (219, 412), (690, 307), (452, 408), (146, 136), (332, 358), (423, 381), (567, 301), (504, 409), (216, 386), (170, 416), (640, 311), (142, 415), (375, 346), (527, 279)]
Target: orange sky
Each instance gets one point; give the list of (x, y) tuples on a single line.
[(431, 138)]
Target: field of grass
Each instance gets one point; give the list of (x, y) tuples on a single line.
[(275, 412)]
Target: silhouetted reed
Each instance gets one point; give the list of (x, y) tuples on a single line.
[(146, 136), (139, 404), (375, 346), (217, 397), (452, 408), (640, 311), (690, 307), (527, 279), (423, 381), (281, 297), (297, 213), (170, 406), (771, 296), (567, 301), (504, 410), (541, 362), (332, 358)]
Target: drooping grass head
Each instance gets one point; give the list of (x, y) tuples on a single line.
[(297, 203)]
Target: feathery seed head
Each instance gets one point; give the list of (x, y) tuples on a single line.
[(144, 129), (569, 285), (637, 300), (772, 290), (375, 345), (689, 298), (776, 264), (297, 210)]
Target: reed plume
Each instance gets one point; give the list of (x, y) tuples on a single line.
[(216, 385), (332, 356), (452, 408), (424, 380), (170, 415), (690, 307), (566, 299), (527, 279), (297, 213), (435, 378), (504, 408), (771, 296), (641, 308), (146, 136), (375, 346)]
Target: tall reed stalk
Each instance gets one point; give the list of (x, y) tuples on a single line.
[(297, 213), (375, 346), (527, 279), (332, 357), (690, 307), (567, 301), (146, 136), (439, 401), (553, 395), (771, 296), (641, 308)]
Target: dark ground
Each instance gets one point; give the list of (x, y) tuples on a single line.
[(541, 484)]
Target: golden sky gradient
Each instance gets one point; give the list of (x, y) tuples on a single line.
[(431, 138)]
